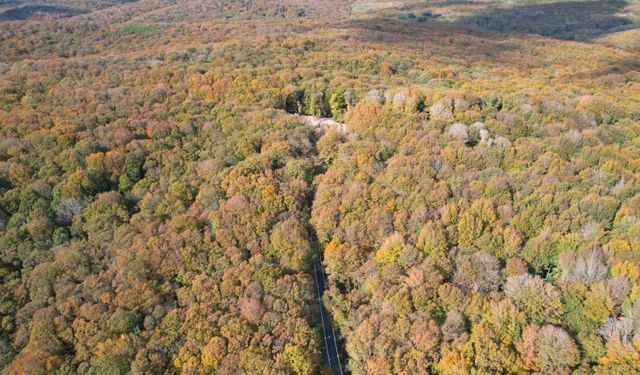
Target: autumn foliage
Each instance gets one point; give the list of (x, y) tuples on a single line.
[(162, 203)]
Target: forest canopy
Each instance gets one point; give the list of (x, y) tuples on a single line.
[(173, 174)]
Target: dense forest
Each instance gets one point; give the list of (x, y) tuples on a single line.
[(163, 202)]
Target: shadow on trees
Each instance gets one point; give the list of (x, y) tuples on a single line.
[(30, 11), (573, 20), (479, 39), (445, 41)]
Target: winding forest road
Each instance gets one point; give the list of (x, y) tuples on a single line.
[(330, 355)]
